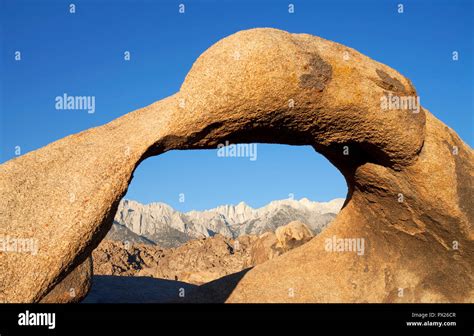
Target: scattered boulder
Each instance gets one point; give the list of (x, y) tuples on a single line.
[(196, 262), (265, 248), (124, 259), (270, 245), (292, 235)]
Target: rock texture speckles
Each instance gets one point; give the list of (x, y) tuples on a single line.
[(74, 287), (292, 235), (66, 194), (320, 74), (270, 245), (389, 83)]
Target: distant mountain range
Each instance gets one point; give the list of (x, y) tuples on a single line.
[(160, 224)]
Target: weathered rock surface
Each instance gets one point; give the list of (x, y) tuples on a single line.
[(74, 287), (265, 248), (270, 245), (293, 235), (116, 258), (202, 260), (409, 176)]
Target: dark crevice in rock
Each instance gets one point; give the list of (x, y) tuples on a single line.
[(389, 83)]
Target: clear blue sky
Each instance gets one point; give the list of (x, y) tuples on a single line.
[(82, 54)]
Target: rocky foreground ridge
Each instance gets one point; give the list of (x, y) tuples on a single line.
[(126, 272), (198, 261)]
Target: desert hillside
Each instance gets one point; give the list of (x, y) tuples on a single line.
[(195, 262)]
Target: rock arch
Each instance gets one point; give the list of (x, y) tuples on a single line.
[(267, 85)]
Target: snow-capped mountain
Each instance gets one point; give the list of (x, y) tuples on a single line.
[(167, 227)]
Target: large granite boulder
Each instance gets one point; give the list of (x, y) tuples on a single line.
[(409, 176)]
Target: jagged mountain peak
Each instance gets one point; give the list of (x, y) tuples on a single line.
[(160, 223)]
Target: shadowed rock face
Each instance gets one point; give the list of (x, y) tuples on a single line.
[(74, 287), (266, 85)]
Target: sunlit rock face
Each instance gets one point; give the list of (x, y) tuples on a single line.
[(409, 176)]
